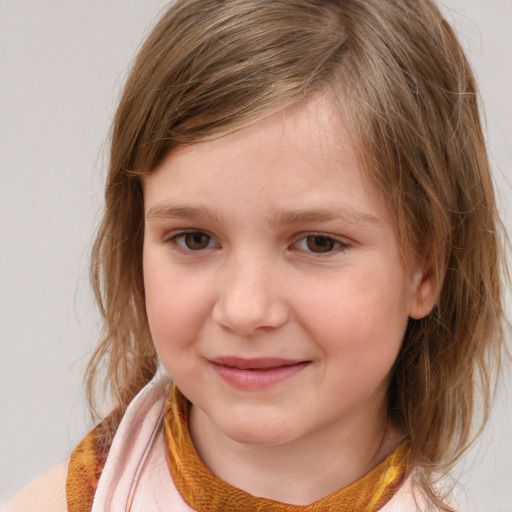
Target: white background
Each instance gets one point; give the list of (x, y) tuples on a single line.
[(62, 64)]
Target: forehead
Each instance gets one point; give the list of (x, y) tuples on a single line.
[(302, 157)]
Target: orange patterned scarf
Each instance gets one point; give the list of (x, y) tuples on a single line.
[(204, 492), (87, 461)]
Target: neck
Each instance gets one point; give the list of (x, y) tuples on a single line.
[(303, 470)]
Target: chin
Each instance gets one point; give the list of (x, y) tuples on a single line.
[(260, 431)]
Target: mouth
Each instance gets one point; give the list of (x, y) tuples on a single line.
[(256, 373)]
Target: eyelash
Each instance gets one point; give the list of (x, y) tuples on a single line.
[(337, 244), (319, 238), (182, 247)]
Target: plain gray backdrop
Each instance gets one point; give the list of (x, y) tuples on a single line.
[(62, 65)]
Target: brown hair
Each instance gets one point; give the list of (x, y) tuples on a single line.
[(405, 87)]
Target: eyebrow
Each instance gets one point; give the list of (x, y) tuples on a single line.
[(348, 215), (164, 211)]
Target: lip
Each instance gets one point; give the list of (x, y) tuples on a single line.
[(256, 373)]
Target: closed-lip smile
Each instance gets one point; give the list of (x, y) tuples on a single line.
[(256, 373)]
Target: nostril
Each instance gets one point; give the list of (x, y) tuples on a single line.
[(248, 317)]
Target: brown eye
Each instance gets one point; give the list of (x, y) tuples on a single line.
[(194, 241), (319, 244)]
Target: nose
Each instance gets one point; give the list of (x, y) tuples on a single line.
[(250, 298)]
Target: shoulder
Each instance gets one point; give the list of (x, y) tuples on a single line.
[(45, 494), (82, 472)]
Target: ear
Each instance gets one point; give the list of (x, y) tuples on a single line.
[(425, 292)]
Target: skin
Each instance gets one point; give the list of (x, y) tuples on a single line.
[(269, 243)]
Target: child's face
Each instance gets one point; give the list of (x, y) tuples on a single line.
[(275, 292)]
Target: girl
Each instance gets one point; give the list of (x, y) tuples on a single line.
[(300, 228)]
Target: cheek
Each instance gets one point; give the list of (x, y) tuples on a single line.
[(359, 322), (177, 307)]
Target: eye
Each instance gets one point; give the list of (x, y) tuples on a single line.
[(194, 240), (319, 244)]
